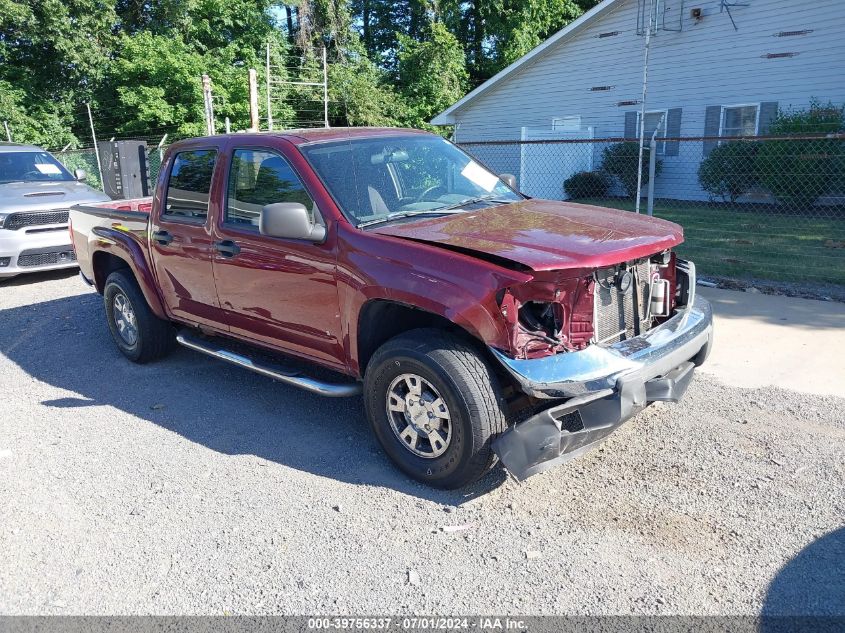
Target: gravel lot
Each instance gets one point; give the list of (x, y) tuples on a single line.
[(191, 487)]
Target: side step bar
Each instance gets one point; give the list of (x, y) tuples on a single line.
[(210, 348)]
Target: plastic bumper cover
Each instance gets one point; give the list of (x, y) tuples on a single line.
[(46, 249), (605, 386)]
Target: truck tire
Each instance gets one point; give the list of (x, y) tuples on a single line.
[(435, 405), (139, 334)]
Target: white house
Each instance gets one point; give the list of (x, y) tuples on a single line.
[(717, 68)]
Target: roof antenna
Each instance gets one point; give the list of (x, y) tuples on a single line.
[(726, 5)]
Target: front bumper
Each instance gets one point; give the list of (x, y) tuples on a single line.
[(604, 387), (23, 251)]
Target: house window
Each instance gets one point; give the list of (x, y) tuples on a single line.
[(740, 120), (567, 123), (654, 120)]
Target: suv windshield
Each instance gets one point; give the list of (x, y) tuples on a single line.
[(382, 178), (31, 167)]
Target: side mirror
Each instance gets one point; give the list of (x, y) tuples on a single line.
[(290, 220), (509, 180), (80, 175)]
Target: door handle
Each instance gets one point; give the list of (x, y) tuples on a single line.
[(162, 237), (227, 248)]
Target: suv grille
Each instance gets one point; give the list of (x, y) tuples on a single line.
[(615, 311), (35, 218), (61, 255)]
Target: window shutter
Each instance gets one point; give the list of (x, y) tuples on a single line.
[(673, 130), (712, 121), (631, 125), (768, 113)]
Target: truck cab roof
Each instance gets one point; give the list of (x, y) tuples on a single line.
[(309, 135)]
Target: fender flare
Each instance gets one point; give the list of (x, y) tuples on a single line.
[(125, 246)]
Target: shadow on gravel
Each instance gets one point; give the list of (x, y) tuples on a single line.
[(31, 278), (65, 343), (812, 584)]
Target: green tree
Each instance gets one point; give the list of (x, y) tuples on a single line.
[(521, 26), (155, 93), (495, 33), (359, 93), (35, 121), (52, 55), (432, 72)]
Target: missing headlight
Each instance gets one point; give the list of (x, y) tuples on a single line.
[(541, 319)]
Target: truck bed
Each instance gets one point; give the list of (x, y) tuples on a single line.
[(107, 225), (134, 209)]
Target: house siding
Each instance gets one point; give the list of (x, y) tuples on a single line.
[(708, 63)]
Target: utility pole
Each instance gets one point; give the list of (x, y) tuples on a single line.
[(8, 133), (96, 149), (269, 100), (253, 101), (651, 22), (209, 108), (325, 91), (228, 126)]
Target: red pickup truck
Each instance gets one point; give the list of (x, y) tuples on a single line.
[(475, 321)]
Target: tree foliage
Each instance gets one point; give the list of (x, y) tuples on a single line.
[(139, 63), (431, 73)]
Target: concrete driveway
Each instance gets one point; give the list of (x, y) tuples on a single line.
[(764, 340)]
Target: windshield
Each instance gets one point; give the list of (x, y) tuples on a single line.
[(31, 167), (381, 178)]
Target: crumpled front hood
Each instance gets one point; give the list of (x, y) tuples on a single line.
[(546, 234), (36, 196)]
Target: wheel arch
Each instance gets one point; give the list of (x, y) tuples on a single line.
[(116, 254), (104, 264), (383, 319)]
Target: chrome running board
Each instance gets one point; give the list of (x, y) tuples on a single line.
[(289, 377)]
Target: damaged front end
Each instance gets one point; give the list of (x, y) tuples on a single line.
[(548, 315), (603, 346)]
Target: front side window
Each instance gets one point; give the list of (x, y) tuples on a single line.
[(190, 184), (258, 178), (374, 179), (31, 167), (739, 120), (655, 120)]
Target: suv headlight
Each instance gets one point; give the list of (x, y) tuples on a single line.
[(3, 217)]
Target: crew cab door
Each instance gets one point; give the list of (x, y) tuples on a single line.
[(181, 239), (275, 291)]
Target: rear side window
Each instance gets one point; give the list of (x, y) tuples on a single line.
[(257, 178), (190, 184)]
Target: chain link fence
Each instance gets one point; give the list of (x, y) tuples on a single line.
[(86, 158), (763, 208)]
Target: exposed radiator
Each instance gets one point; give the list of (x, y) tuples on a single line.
[(615, 314)]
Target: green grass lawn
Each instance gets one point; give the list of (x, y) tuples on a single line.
[(739, 243)]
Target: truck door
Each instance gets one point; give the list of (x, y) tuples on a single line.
[(279, 292), (181, 240)]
